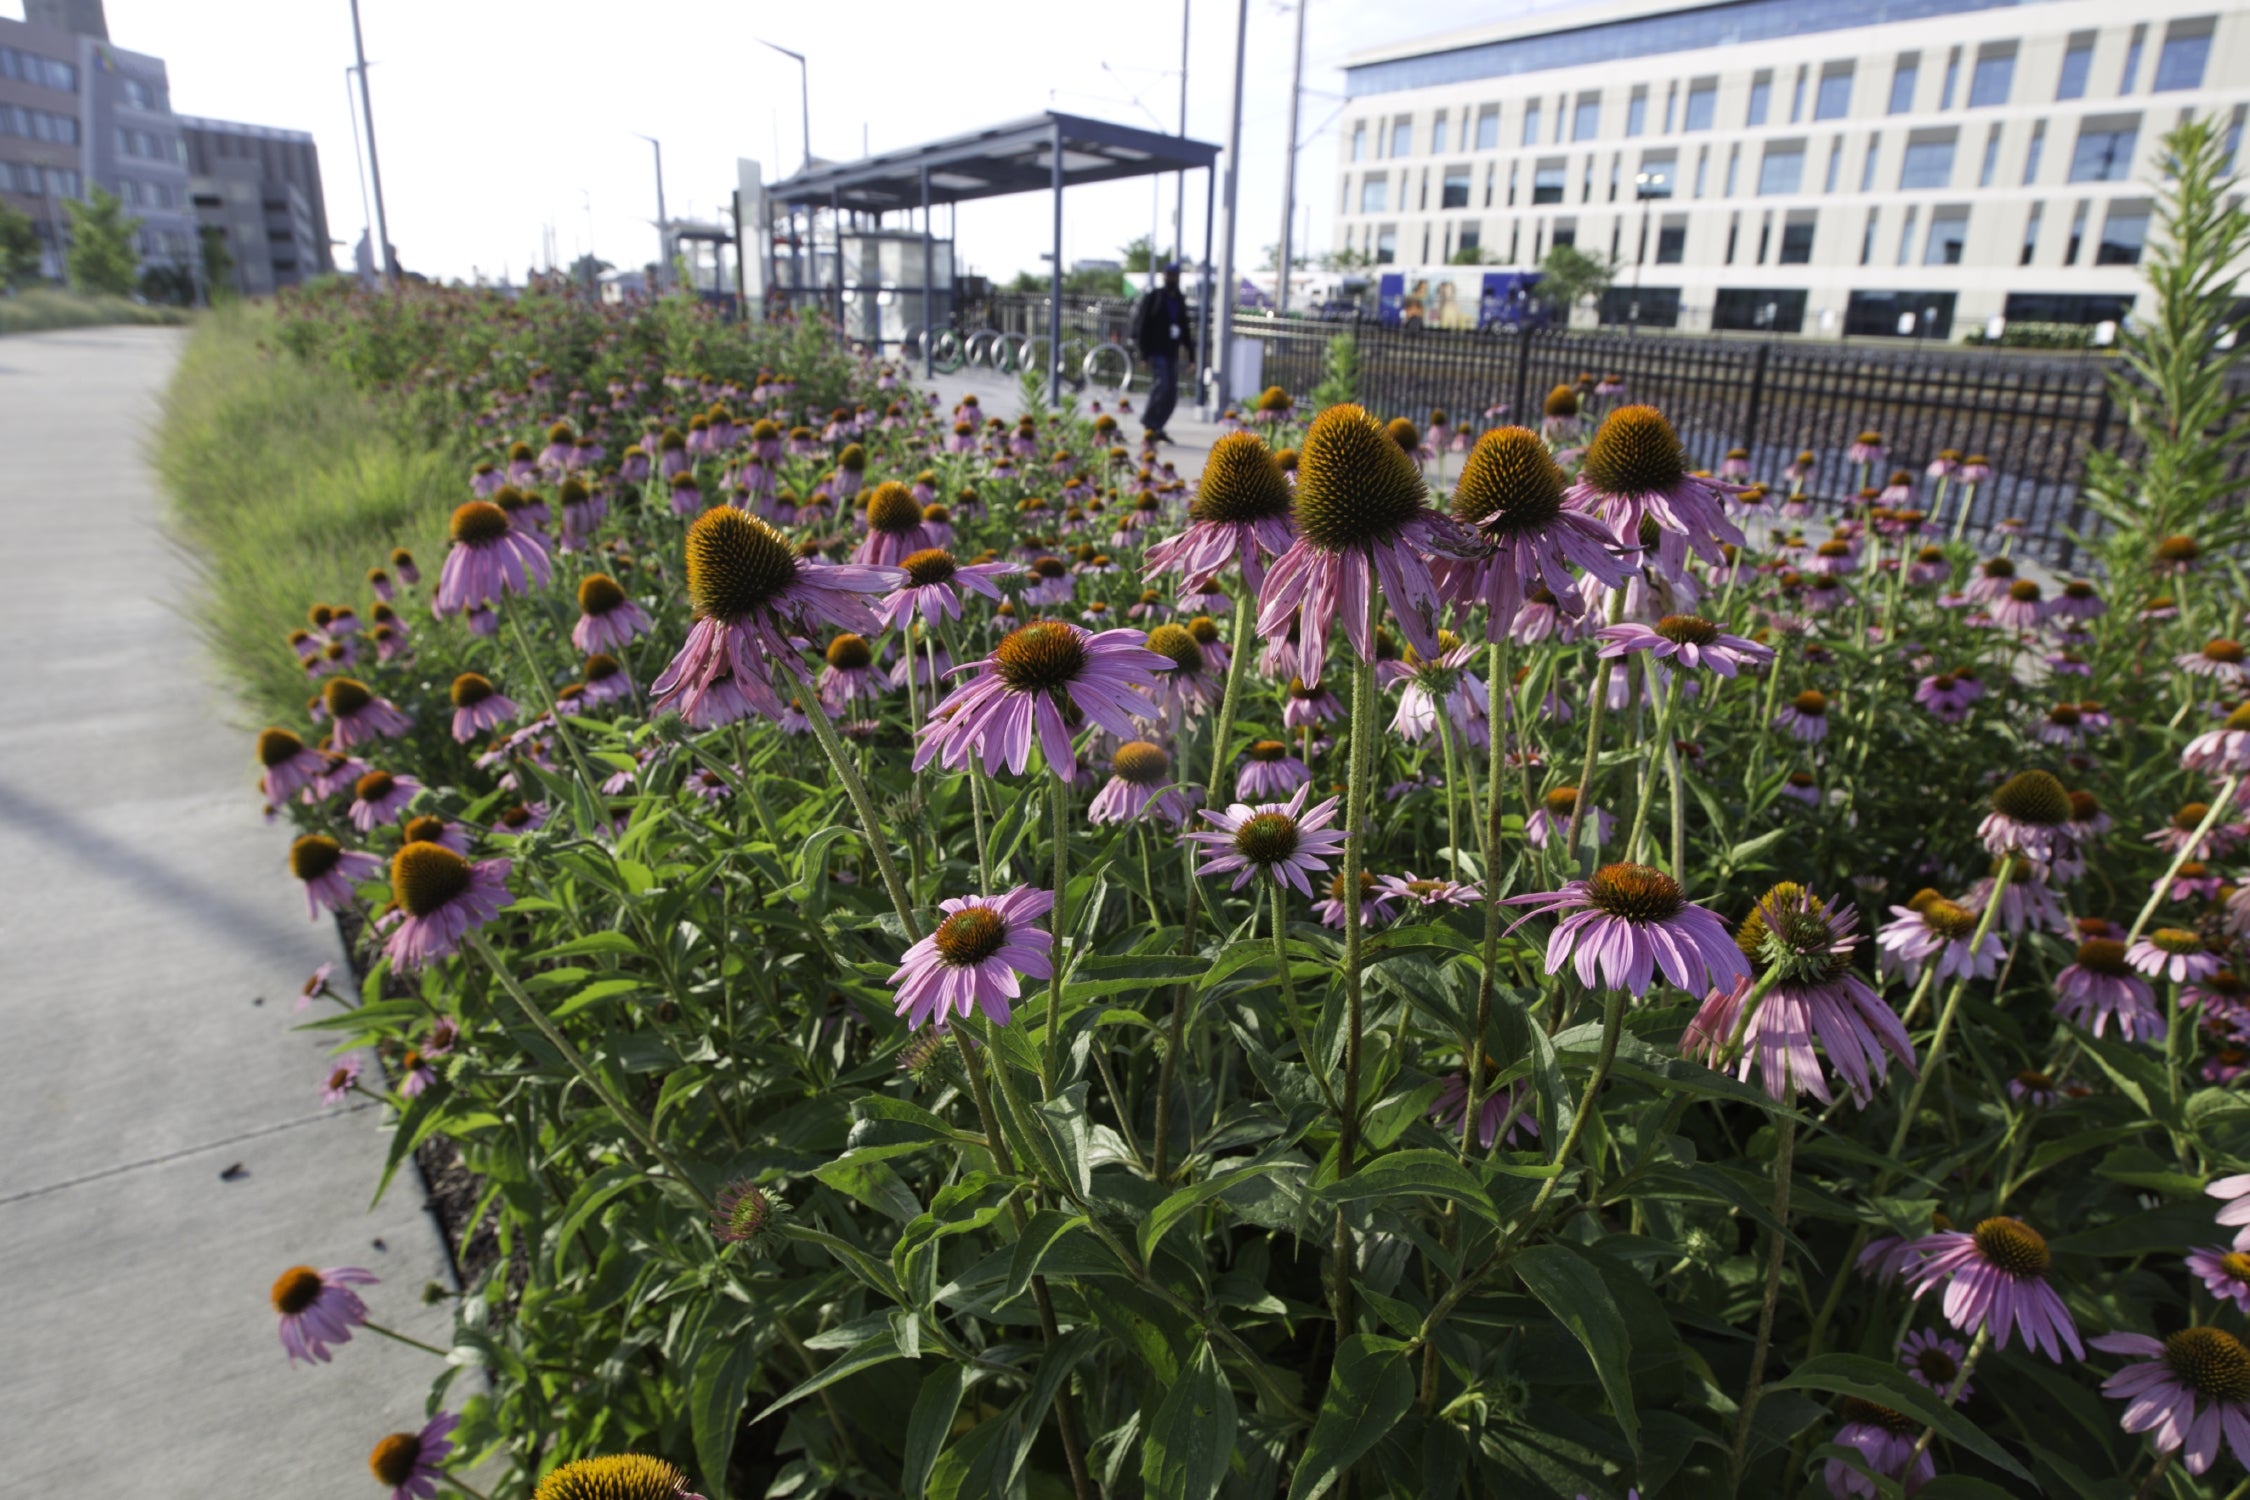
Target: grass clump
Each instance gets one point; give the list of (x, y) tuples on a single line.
[(43, 308)]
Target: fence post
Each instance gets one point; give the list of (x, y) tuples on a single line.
[(1524, 417), (2101, 420), (1757, 398)]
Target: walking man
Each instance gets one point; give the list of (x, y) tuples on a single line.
[(1160, 332)]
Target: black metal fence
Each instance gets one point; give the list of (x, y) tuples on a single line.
[(2033, 417)]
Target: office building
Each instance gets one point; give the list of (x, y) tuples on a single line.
[(1824, 167), (259, 188)]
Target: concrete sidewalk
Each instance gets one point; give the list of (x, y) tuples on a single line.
[(167, 1154), (1001, 396)]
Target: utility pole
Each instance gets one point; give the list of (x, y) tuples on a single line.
[(804, 93), (374, 167), (1289, 176), (1179, 203), (1224, 295), (663, 223)]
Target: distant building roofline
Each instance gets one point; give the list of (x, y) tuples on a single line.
[(237, 127)]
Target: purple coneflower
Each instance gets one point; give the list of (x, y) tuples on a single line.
[(1996, 1279), (2220, 659), (1431, 893), (1627, 922), (380, 796), (1191, 685), (1635, 470), (1361, 521), (750, 591), (288, 765), (607, 619), (1817, 996), (1375, 903), (2030, 815), (440, 898), (624, 1476), (1551, 819), (1884, 1440), (2101, 986), (1510, 495), (1285, 841), (1867, 448), (1018, 692), (329, 871), (356, 715), (490, 558), (848, 671), (2224, 751), (1269, 770), (478, 707), (1450, 678), (2175, 953), (341, 1080), (1933, 928), (1309, 705), (932, 583), (2202, 1367), (1805, 717), (983, 947), (1690, 640), (2225, 1273), (408, 1461), (1140, 786), (1933, 1360), (1240, 514), (2022, 607), (895, 526), (319, 1308), (2034, 1089), (1505, 1113)]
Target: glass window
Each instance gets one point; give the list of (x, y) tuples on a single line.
[(1835, 164), (1671, 97), (2234, 138), (1702, 105), (1928, 164), (1488, 127), (1702, 169), (1797, 98), (1903, 79), (1359, 140), (1402, 137), (2132, 60), (2104, 152), (1636, 113), (1437, 133), (2180, 64), (1547, 183), (2077, 63), (1671, 244), (1993, 77), (1386, 245), (1734, 168), (2124, 231), (1906, 236), (1455, 192), (1952, 77), (2032, 155), (1834, 101), (1991, 157), (1796, 243), (1867, 240), (2030, 237), (1654, 180), (1587, 121), (1375, 195), (1782, 170), (1531, 123), (2077, 235), (1949, 229), (1867, 168), (1761, 98)]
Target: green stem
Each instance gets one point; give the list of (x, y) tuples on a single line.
[(1238, 665), (1500, 696), (2182, 855), (1648, 777), (1315, 1064), (976, 814), (871, 827), (627, 1116), (396, 1337), (1784, 1154), (1953, 1392), (1167, 1071), (1452, 795), (1945, 1023), (1593, 739), (1050, 1061), (464, 1487)]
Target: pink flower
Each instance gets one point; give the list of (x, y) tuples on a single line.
[(1141, 786), (1269, 770), (2101, 986), (319, 1308), (1805, 717), (2225, 1273), (2224, 751), (931, 587), (440, 898), (409, 1461), (975, 957), (1885, 1440), (1996, 1278), (1284, 841), (341, 1080), (1376, 903), (2197, 1367), (2175, 953), (1635, 469), (1511, 495), (287, 763), (358, 716), (329, 871), (1935, 928), (1691, 641), (1504, 1113), (381, 796), (607, 619), (1629, 921), (1933, 1360), (1019, 690), (1240, 515), (490, 558)]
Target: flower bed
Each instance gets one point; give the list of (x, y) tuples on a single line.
[(962, 963)]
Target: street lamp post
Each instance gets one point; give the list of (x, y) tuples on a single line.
[(663, 221), (383, 259), (1289, 174), (1645, 187), (804, 93)]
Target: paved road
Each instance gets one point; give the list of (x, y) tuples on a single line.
[(144, 911)]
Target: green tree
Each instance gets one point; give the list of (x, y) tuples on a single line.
[(19, 248), (2174, 389), (218, 262), (1470, 255), (1340, 374), (1568, 276), (102, 259), (1140, 254), (1346, 259)]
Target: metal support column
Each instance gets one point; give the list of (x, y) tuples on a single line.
[(1203, 335), (383, 261), (929, 275), (1054, 282), (1289, 174), (836, 227), (1179, 203), (1223, 393)]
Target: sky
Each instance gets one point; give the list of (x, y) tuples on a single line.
[(496, 119)]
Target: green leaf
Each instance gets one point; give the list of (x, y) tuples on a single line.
[(1185, 1455), (1187, 1199), (1433, 1174), (1369, 1389), (600, 989), (881, 1349), (931, 1421), (722, 1376), (874, 1184), (1055, 1364), (1573, 1291), (1110, 974), (1046, 1229), (870, 1270), (1888, 1385), (2155, 1232), (593, 942), (594, 1192)]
